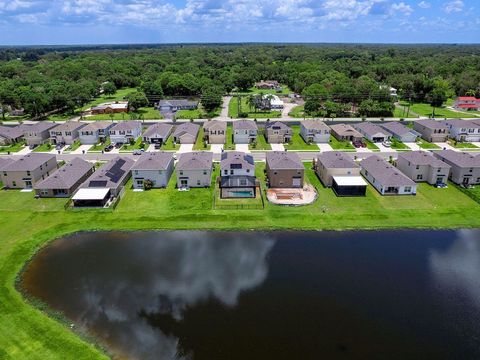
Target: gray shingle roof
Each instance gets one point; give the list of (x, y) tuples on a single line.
[(336, 160), (398, 129), (237, 157), (4, 161), (461, 159), (126, 125), (176, 103), (370, 129), (278, 125), (111, 174), (153, 161), (422, 158), (39, 127), (199, 160), (12, 132), (315, 125), (432, 124), (161, 129), (215, 124), (385, 173), (29, 162), (459, 123), (186, 128), (284, 160), (68, 126), (245, 125), (67, 176), (97, 125)]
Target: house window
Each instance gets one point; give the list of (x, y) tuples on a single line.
[(28, 173), (204, 172), (136, 172), (408, 189), (181, 172), (419, 177), (14, 184), (438, 170), (4, 173), (417, 167), (275, 173), (198, 182), (44, 192), (226, 172)]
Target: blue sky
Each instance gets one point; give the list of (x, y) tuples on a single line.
[(24, 22)]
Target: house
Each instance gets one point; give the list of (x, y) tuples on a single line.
[(432, 130), (237, 175), (66, 180), (37, 134), (158, 133), (66, 133), (467, 103), (464, 130), (338, 171), (372, 132), (269, 85), (25, 172), (387, 179), (186, 133), (170, 107), (314, 131), (96, 132), (215, 132), (104, 184), (156, 167), (423, 166), (465, 166), (125, 132), (245, 131), (343, 132), (271, 102), (401, 132), (194, 169), (278, 133), (110, 108), (11, 134), (17, 112), (4, 161), (284, 170)]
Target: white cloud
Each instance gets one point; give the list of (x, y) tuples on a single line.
[(401, 8), (424, 5), (453, 6)]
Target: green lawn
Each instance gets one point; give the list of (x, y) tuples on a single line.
[(100, 146), (27, 224), (253, 90), (427, 145), (137, 145), (297, 142), (118, 96), (233, 110), (168, 145), (200, 144), (462, 145), (74, 146), (147, 113), (261, 144), (398, 145), (229, 144), (197, 114), (427, 110), (401, 112), (44, 147), (341, 145), (371, 145), (13, 148)]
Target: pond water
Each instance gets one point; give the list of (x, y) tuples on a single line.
[(268, 295)]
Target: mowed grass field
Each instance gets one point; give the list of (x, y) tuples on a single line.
[(26, 224)]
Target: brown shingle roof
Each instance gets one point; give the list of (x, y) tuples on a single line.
[(284, 160), (67, 176), (153, 161)]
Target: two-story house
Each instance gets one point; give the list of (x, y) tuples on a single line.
[(314, 131), (465, 167), (194, 169), (157, 133), (25, 172), (245, 131), (66, 133), (125, 131), (96, 132), (464, 130), (278, 133), (423, 166), (215, 132), (156, 167), (284, 169), (432, 130), (237, 175), (37, 134)]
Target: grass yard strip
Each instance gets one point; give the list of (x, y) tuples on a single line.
[(427, 145), (118, 96), (462, 145), (13, 148), (341, 145), (47, 147), (398, 145), (200, 143), (229, 145), (76, 144), (250, 113), (147, 113), (169, 145), (297, 142), (100, 146), (260, 144), (371, 145), (27, 224), (137, 145)]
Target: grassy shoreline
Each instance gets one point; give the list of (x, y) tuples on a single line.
[(29, 333)]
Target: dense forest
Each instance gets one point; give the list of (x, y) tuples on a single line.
[(45, 79)]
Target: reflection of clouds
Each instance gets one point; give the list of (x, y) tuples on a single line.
[(163, 273), (457, 269)]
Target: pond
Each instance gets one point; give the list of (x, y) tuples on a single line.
[(268, 295)]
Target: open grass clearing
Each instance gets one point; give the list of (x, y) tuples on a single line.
[(233, 108)]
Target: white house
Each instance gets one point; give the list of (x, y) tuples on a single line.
[(244, 131), (315, 131), (95, 132), (124, 131), (464, 130), (372, 132), (156, 167)]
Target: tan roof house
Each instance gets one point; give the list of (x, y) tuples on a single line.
[(423, 166), (194, 169), (25, 172), (215, 132), (284, 170), (372, 132), (186, 133), (465, 166), (278, 133), (432, 130), (343, 132), (66, 180)]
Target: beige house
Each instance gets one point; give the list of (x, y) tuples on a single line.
[(284, 170), (343, 132), (278, 133), (194, 169), (432, 130), (422, 166), (37, 134), (66, 133), (25, 172), (186, 133), (215, 132), (465, 166)]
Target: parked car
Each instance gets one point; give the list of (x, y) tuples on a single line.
[(387, 144), (58, 147), (158, 146), (138, 152), (118, 145), (109, 148), (358, 144)]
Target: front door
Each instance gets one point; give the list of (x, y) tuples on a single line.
[(28, 184), (183, 182), (466, 180)]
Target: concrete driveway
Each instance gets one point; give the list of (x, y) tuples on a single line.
[(26, 150), (277, 147), (324, 147), (413, 146), (363, 150), (242, 148), (216, 148), (184, 148), (384, 148), (445, 145), (81, 149)]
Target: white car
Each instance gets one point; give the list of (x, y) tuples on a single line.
[(387, 144)]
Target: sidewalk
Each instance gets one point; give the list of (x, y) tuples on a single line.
[(324, 147), (277, 147)]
